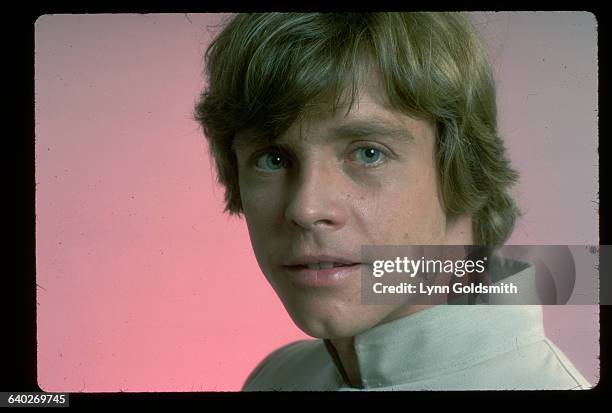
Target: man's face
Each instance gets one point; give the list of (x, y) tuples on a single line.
[(326, 187)]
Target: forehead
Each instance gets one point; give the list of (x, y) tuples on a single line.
[(369, 114)]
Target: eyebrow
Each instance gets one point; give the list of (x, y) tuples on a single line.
[(250, 139), (360, 128), (365, 128)]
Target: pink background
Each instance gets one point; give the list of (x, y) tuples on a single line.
[(144, 285)]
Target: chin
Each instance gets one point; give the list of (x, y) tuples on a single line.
[(327, 325), (323, 329)]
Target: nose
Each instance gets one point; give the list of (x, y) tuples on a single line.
[(316, 201)]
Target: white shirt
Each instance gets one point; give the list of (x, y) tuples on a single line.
[(445, 347)]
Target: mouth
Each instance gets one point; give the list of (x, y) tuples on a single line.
[(322, 265), (322, 273)]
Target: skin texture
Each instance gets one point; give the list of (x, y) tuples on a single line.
[(320, 189)]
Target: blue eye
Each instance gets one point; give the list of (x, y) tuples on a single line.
[(369, 155), (270, 161)]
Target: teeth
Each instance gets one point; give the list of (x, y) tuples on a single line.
[(321, 266)]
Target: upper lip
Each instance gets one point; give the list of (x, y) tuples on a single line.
[(316, 259)]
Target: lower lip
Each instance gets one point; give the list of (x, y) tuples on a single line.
[(327, 277)]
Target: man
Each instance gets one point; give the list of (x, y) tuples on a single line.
[(335, 131)]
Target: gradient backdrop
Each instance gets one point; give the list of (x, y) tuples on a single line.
[(143, 283)]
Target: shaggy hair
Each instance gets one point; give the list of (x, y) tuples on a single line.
[(266, 71)]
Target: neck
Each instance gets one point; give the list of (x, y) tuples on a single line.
[(347, 358), (458, 232)]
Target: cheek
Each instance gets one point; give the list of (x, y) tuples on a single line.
[(259, 213), (258, 229), (259, 201), (407, 209), (252, 202)]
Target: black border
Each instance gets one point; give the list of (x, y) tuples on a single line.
[(19, 367)]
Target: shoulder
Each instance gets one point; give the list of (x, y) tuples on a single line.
[(284, 367), (540, 365), (566, 368)]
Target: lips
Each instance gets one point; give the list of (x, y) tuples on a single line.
[(321, 270), (322, 265), (326, 260)]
